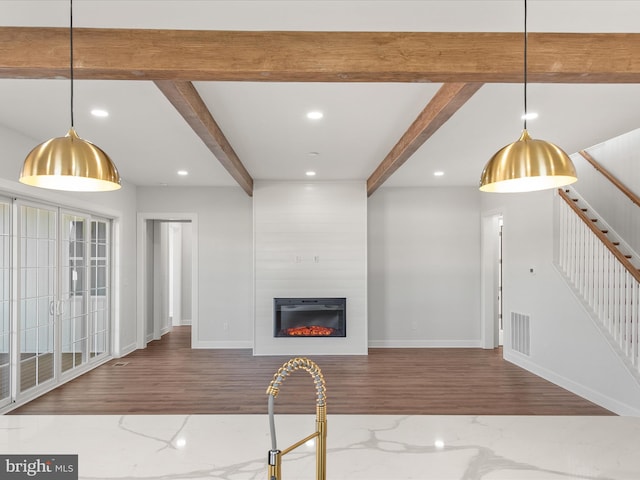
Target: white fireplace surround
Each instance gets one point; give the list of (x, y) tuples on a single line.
[(310, 240)]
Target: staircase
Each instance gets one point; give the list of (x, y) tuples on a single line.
[(603, 270), (606, 233)]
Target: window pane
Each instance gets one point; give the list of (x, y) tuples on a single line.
[(5, 381), (45, 339), (45, 367), (27, 373), (29, 345), (43, 223), (29, 222), (30, 312)]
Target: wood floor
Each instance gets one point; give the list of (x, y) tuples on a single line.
[(168, 377)]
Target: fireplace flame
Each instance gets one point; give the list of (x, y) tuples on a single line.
[(312, 331)]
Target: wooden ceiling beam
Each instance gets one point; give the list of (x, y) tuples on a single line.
[(186, 100), (447, 100), (441, 57)]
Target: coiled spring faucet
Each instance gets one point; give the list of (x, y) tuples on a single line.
[(275, 455)]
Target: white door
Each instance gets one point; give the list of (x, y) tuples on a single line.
[(62, 296), (74, 290), (37, 305), (99, 289), (84, 289)]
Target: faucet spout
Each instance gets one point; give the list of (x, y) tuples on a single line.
[(295, 364), (320, 435)]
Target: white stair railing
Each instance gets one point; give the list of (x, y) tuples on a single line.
[(605, 279)]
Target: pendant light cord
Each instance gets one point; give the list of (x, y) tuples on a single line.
[(71, 54), (525, 64)]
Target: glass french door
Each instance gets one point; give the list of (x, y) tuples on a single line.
[(84, 289), (37, 306), (62, 297), (99, 288), (74, 291)]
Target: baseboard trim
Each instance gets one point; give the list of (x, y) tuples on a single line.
[(598, 398), (126, 350), (425, 344), (223, 344)]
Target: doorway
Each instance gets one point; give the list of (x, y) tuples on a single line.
[(167, 274), (491, 280)]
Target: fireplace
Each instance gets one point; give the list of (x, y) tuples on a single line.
[(309, 317)]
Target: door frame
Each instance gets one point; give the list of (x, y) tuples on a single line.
[(489, 251), (142, 284)]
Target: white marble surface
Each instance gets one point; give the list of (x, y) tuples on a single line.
[(234, 447)]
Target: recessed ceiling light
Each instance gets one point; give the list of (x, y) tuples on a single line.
[(310, 173), (439, 173), (98, 112), (529, 116), (313, 154), (183, 173), (315, 115)]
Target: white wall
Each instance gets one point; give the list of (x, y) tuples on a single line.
[(566, 346), (424, 267), (225, 258), (293, 224)]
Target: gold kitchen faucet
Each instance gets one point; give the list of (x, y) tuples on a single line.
[(320, 435)]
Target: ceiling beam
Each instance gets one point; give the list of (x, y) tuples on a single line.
[(442, 57), (185, 98), (447, 100)]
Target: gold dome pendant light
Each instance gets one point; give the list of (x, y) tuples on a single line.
[(527, 165), (70, 163)]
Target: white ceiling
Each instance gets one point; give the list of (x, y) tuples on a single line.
[(265, 122)]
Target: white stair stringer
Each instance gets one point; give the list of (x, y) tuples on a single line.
[(597, 321)]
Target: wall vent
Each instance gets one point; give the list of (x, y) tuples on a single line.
[(520, 333)]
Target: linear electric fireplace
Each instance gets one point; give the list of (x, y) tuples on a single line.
[(309, 317)]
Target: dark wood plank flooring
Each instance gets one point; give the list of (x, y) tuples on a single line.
[(168, 377)]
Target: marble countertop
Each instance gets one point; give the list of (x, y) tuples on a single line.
[(371, 447)]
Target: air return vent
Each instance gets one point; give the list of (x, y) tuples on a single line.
[(520, 333)]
